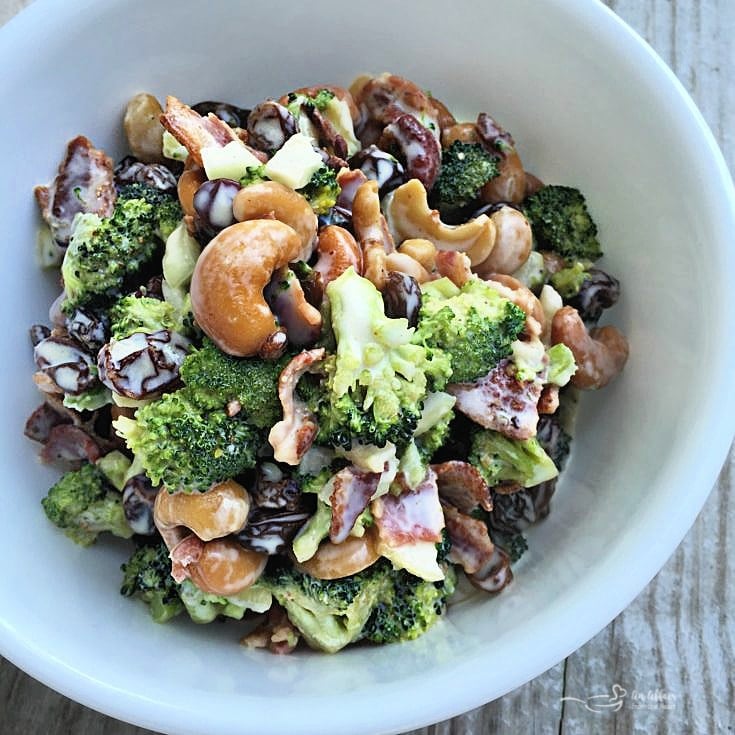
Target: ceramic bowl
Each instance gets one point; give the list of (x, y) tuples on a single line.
[(590, 105)]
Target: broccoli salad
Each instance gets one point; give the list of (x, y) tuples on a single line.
[(316, 359)]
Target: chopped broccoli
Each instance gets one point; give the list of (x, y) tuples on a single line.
[(216, 379), (532, 274), (142, 314), (433, 427), (474, 325), (322, 190), (83, 505), (411, 607), (253, 175), (517, 547), (115, 467), (560, 222), (500, 459), (204, 608), (377, 380), (147, 574), (320, 100), (104, 253), (313, 532), (561, 365), (187, 446), (329, 613), (91, 399), (569, 280), (465, 169)]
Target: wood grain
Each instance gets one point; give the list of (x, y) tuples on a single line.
[(673, 649)]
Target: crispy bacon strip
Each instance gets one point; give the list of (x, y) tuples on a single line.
[(471, 544), (500, 402), (67, 443), (193, 131), (187, 552), (42, 420), (462, 485), (84, 183), (352, 490), (411, 516), (292, 436)]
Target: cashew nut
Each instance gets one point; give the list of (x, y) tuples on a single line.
[(513, 242), (455, 266), (513, 290), (189, 182), (372, 232), (229, 278), (462, 132), (510, 184), (220, 511), (143, 128), (444, 116), (422, 251), (404, 263), (333, 561), (337, 251), (409, 216), (260, 201), (600, 354), (226, 568)]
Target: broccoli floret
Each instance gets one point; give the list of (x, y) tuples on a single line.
[(433, 427), (216, 379), (147, 574), (167, 211), (142, 314), (104, 253), (411, 607), (329, 613), (187, 446), (474, 325), (253, 175), (465, 169), (560, 222), (517, 546), (204, 608), (561, 365), (83, 505), (377, 381), (320, 100), (500, 459), (569, 280), (322, 190)]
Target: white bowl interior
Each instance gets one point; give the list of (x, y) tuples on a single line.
[(589, 106)]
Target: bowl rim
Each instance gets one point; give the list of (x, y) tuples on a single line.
[(398, 714)]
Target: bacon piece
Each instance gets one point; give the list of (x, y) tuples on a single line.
[(411, 516), (471, 544), (70, 444), (187, 552), (455, 266), (41, 421), (85, 183), (462, 485), (193, 131), (500, 402), (351, 493), (293, 435)]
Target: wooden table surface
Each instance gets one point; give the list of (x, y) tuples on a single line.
[(673, 649)]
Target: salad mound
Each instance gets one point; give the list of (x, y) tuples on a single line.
[(317, 359)]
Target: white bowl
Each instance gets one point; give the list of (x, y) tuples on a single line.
[(590, 105)]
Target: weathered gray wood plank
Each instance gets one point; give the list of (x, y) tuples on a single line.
[(676, 642)]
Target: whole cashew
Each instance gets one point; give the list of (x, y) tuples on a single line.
[(269, 198), (220, 511), (189, 182), (513, 242), (462, 132), (229, 278), (404, 263), (409, 216), (600, 354), (225, 568), (372, 232), (337, 251), (422, 251), (143, 128), (513, 290), (334, 561)]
